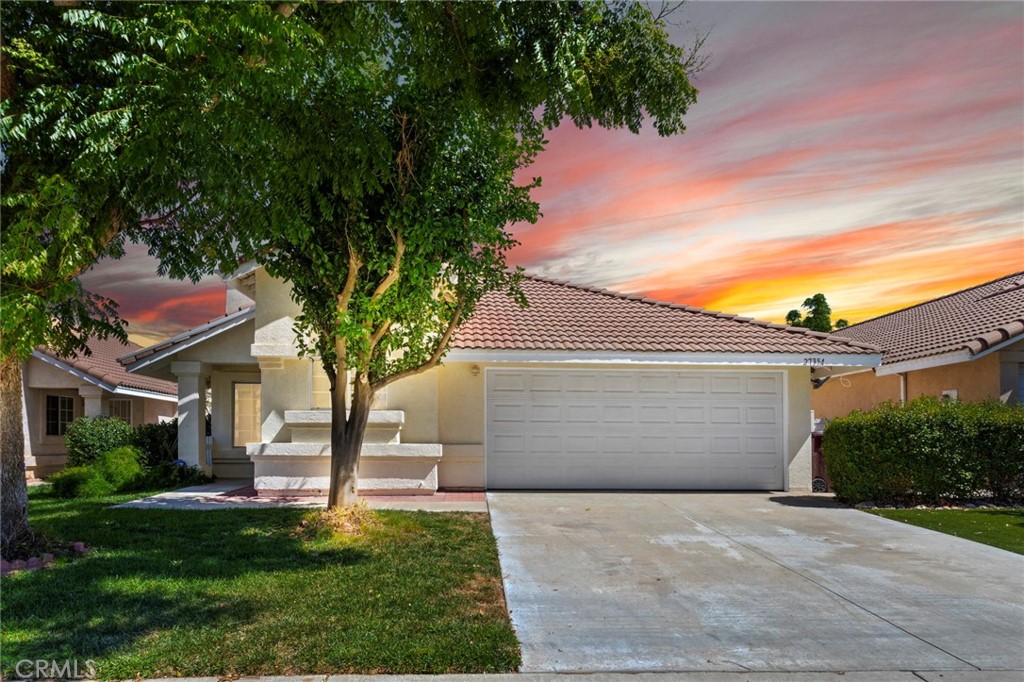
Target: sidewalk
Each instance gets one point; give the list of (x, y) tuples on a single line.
[(237, 494), (903, 676)]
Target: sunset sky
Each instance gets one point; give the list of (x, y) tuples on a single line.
[(873, 152)]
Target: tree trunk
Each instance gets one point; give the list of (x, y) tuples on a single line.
[(347, 432), (14, 529)]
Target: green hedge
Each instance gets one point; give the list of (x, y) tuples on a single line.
[(87, 438), (158, 442), (928, 450)]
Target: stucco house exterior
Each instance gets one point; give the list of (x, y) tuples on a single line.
[(585, 388), (56, 390), (968, 345)]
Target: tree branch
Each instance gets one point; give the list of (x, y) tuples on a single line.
[(442, 344), (392, 275), (350, 280)]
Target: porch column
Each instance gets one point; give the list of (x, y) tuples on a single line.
[(192, 377), (92, 396)]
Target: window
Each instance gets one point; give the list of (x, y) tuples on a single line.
[(60, 411), (120, 408), (247, 415)]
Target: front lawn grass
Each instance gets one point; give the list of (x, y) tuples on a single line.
[(235, 592), (1003, 528)]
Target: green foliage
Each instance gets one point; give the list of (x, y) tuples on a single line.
[(87, 438), (377, 167), (170, 475), (158, 442), (818, 318), (81, 481), (121, 467), (928, 450)]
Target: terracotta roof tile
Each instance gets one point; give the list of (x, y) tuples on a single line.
[(567, 316), (974, 319), (102, 365)]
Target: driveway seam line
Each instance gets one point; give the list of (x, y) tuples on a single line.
[(815, 582)]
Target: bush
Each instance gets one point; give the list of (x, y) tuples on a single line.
[(121, 467), (174, 474), (158, 442), (87, 438), (927, 451), (83, 481)]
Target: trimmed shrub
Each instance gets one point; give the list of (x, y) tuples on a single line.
[(928, 450), (121, 467), (87, 438), (158, 442), (174, 474), (83, 481)]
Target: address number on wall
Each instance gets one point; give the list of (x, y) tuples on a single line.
[(815, 362)]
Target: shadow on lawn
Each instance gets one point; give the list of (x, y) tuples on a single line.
[(149, 571)]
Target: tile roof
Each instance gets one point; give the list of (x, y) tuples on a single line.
[(103, 366), (564, 316), (973, 319), (187, 335)]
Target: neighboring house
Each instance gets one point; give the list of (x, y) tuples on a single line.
[(967, 345), (584, 389), (56, 390)]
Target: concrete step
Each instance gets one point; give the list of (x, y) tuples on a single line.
[(304, 468), (314, 426)]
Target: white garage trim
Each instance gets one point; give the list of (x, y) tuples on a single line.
[(675, 359), (781, 428)]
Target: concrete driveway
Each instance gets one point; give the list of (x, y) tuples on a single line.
[(748, 582)]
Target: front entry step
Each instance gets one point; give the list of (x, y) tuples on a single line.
[(314, 426), (304, 468)]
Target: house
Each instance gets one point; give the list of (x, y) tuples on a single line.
[(56, 390), (586, 388), (967, 345)]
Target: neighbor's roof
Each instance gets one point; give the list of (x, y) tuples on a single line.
[(102, 367), (568, 317), (971, 320)]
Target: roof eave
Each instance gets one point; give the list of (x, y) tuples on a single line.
[(115, 389), (835, 359), (145, 357)]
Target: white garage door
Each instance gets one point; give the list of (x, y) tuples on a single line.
[(634, 429)]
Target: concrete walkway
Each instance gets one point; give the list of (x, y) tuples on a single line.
[(236, 494), (751, 583)]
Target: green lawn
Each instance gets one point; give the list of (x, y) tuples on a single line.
[(234, 592), (1000, 528)]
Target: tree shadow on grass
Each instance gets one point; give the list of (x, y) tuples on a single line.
[(151, 571)]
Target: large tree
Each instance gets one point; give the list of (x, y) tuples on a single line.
[(818, 317), (380, 169), (89, 93), (369, 153)]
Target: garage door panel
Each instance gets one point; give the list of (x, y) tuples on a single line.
[(545, 412), (582, 384), (764, 385), (691, 414), (644, 429), (726, 414), (545, 382), (654, 414), (620, 413), (691, 384), (512, 412), (726, 384)]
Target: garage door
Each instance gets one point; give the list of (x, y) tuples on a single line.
[(634, 429)]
